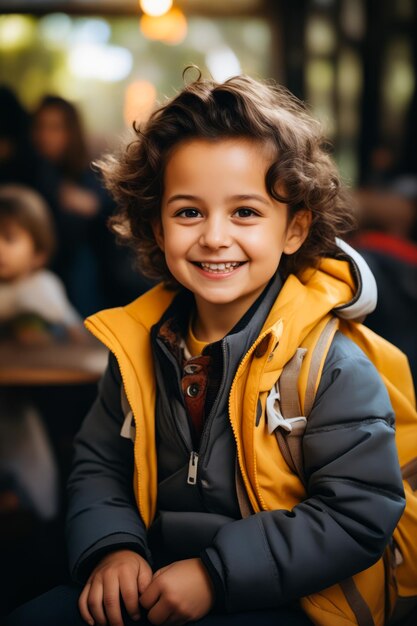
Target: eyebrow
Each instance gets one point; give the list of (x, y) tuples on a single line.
[(250, 196), (239, 197), (182, 196)]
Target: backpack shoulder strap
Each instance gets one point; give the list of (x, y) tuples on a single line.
[(289, 436)]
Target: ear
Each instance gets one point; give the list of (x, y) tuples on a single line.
[(297, 231), (158, 232)]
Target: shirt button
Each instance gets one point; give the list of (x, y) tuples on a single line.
[(192, 390), (262, 347)]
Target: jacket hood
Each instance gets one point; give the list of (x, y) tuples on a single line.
[(366, 296)]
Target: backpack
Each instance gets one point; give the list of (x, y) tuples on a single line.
[(296, 401)]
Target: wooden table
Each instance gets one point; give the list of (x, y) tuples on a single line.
[(51, 364)]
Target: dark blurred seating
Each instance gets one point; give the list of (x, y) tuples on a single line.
[(386, 239)]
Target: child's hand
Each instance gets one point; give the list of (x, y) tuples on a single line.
[(123, 573), (179, 593)]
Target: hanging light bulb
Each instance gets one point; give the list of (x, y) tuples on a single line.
[(155, 8)]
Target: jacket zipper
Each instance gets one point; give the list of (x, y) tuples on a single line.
[(192, 468), (195, 456), (238, 452)]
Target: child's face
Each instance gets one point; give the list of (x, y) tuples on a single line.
[(222, 234), (18, 256)]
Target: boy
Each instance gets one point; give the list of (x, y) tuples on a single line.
[(228, 197)]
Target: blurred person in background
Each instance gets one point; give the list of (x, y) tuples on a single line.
[(17, 158), (387, 239), (77, 199), (34, 309)]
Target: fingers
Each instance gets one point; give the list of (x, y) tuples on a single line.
[(158, 618), (160, 613), (144, 577), (161, 606), (91, 603), (166, 611), (83, 606), (111, 599), (178, 593), (130, 595), (99, 601), (119, 575), (150, 596)]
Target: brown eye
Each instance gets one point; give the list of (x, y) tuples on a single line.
[(245, 212), (188, 213)]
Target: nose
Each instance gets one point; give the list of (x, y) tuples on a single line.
[(215, 233)]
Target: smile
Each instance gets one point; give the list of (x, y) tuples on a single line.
[(219, 268)]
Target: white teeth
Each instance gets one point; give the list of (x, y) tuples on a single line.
[(219, 267)]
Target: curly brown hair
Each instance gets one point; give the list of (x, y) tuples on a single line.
[(245, 108)]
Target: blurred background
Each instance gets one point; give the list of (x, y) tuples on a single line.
[(74, 75), (353, 61)]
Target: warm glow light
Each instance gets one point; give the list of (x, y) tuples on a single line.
[(140, 98), (155, 8), (170, 28), (16, 31), (101, 62)]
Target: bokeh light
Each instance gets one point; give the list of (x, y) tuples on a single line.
[(170, 28), (155, 8), (16, 31), (140, 99), (223, 63), (101, 62), (91, 30), (55, 28)]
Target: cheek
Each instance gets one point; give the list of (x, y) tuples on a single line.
[(174, 258), (263, 246)]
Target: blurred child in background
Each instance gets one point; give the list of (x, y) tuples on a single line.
[(33, 301), (34, 309)]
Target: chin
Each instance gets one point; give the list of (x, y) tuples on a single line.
[(218, 299)]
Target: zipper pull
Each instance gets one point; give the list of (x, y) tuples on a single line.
[(192, 468)]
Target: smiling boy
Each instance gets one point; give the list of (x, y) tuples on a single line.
[(228, 197)]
